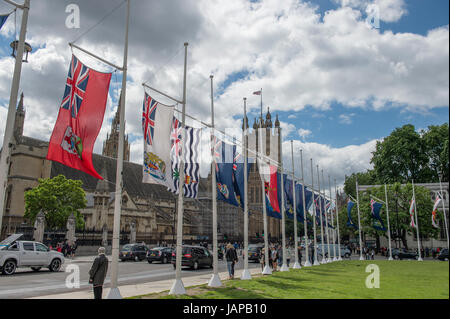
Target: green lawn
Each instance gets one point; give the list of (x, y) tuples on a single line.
[(338, 280)]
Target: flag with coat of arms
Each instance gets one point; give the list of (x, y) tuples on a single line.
[(156, 126), (80, 117)]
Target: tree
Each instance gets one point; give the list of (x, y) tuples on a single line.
[(57, 198), (401, 157), (399, 198), (436, 146), (366, 178)]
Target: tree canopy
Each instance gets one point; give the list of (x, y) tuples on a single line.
[(57, 198)]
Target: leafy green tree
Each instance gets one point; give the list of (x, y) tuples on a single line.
[(436, 146), (399, 198), (366, 178), (57, 198), (401, 157)]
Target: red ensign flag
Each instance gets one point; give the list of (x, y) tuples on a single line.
[(80, 118)]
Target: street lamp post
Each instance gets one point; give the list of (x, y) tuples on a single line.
[(7, 138)]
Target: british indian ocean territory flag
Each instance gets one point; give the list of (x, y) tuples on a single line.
[(156, 126)]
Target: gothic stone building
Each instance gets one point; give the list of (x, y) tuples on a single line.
[(150, 207)]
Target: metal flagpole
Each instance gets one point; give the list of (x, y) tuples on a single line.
[(246, 273), (266, 270), (294, 208), (359, 222), (323, 261), (178, 287), (389, 226), (443, 208), (332, 222), (327, 229), (284, 267), (305, 220), (114, 293), (337, 221), (316, 262), (215, 278), (7, 138), (417, 224)]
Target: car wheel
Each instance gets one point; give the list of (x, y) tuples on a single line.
[(36, 268), (136, 258), (149, 261), (55, 265), (9, 267), (164, 261), (396, 257), (195, 265), (347, 255)]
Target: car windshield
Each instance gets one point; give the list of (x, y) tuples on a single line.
[(253, 249), (127, 247)]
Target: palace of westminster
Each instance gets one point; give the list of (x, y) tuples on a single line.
[(150, 207)]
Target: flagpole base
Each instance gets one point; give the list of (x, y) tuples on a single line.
[(420, 259), (215, 281), (297, 265), (284, 268), (114, 293), (340, 259), (267, 270), (246, 275), (316, 263), (177, 288), (323, 261), (329, 261), (307, 264), (361, 258), (390, 258), (335, 259)]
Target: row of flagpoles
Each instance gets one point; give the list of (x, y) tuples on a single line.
[(75, 150)]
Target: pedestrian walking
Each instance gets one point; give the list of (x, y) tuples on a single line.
[(262, 260), (232, 259), (98, 272), (274, 259), (288, 255)]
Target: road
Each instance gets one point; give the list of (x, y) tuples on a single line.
[(26, 283)]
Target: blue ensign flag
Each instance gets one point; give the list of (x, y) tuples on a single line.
[(377, 220), (224, 154), (3, 18), (349, 209), (238, 175)]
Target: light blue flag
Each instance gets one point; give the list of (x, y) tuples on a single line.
[(3, 18)]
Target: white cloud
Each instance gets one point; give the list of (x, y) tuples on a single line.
[(346, 118), (304, 133), (389, 10), (336, 162)]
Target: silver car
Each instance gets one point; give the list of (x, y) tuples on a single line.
[(18, 254)]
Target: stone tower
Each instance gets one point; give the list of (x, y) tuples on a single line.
[(19, 120), (111, 145)]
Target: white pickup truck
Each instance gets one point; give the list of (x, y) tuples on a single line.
[(15, 254)]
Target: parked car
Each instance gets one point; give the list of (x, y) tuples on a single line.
[(254, 253), (136, 252), (443, 255), (17, 254), (345, 252), (194, 257), (162, 254), (404, 254)]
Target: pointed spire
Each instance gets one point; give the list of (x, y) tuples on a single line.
[(20, 106), (277, 122), (268, 118), (255, 125), (102, 184)]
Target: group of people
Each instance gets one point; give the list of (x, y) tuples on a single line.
[(66, 248), (275, 256)]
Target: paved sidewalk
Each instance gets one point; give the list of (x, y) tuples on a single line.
[(149, 287)]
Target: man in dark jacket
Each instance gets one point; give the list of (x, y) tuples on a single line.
[(231, 257), (98, 272)]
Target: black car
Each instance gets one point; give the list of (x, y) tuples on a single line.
[(136, 252), (254, 253), (219, 254), (404, 254), (194, 257), (162, 254), (443, 255)]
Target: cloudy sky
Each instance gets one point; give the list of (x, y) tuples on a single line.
[(340, 74)]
